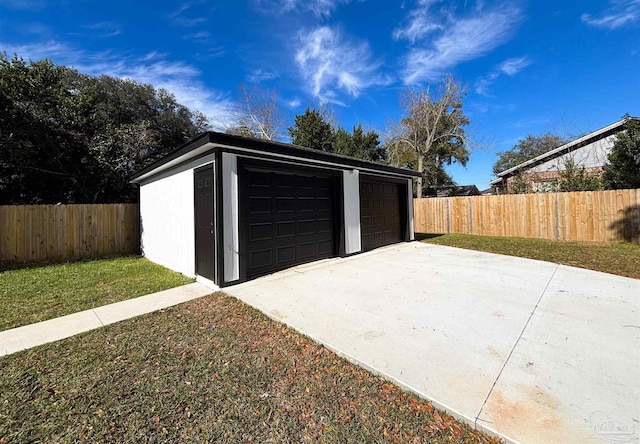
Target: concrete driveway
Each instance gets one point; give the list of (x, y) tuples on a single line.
[(529, 350)]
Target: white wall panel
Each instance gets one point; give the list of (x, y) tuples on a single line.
[(351, 186), (412, 235), (231, 245), (167, 218)]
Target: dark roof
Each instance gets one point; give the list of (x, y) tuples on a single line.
[(461, 190), (211, 140)]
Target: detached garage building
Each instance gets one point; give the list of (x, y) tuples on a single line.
[(227, 209)]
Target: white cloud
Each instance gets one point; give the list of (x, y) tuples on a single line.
[(104, 29), (419, 23), (452, 39), (293, 103), (620, 13), (329, 62), (178, 16), (260, 75), (179, 78), (514, 65), (509, 67), (320, 8)]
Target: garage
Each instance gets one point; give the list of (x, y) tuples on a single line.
[(381, 210), (288, 217), (226, 209)]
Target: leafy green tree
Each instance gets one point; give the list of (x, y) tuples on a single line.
[(359, 145), (73, 138), (432, 129), (519, 185), (311, 130), (623, 165), (575, 178), (527, 148)]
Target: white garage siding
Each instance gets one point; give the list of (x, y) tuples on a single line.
[(167, 217), (351, 184), (412, 235)]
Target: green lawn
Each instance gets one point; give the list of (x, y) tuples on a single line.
[(210, 370), (35, 294), (618, 258)]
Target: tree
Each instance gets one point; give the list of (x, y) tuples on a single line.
[(259, 115), (73, 138), (311, 130), (622, 169), (527, 148), (359, 145), (432, 129), (575, 178)]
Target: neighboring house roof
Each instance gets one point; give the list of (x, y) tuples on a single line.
[(211, 140), (462, 190), (487, 192), (563, 149)]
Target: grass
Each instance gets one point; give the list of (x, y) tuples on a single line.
[(618, 258), (211, 370), (35, 294)]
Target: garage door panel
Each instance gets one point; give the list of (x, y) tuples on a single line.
[(306, 204), (380, 213), (261, 259), (261, 231), (260, 180), (259, 205), (296, 226), (285, 204), (325, 248), (306, 227), (324, 226), (286, 254), (286, 229)]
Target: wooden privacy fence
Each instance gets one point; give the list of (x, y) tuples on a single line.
[(591, 216), (64, 232)]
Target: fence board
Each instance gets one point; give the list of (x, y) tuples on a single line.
[(65, 232), (590, 216)]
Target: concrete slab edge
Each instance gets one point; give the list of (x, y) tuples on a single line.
[(468, 420)]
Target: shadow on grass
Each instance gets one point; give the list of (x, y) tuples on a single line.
[(628, 226), (9, 266), (423, 236)]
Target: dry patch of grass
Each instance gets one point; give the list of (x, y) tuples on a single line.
[(211, 370), (39, 293), (619, 258)]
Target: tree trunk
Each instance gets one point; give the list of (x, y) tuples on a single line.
[(419, 181)]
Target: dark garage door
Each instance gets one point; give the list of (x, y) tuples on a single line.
[(381, 209), (288, 219)]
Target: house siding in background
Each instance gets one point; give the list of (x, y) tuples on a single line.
[(541, 173)]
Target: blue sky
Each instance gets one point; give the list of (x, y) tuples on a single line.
[(529, 66)]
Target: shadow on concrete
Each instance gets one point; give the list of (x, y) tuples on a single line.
[(628, 226)]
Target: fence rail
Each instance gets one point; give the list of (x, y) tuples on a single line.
[(592, 216), (34, 233)]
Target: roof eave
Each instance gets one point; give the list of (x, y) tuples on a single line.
[(211, 140)]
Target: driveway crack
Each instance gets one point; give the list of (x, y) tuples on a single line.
[(546, 287)]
